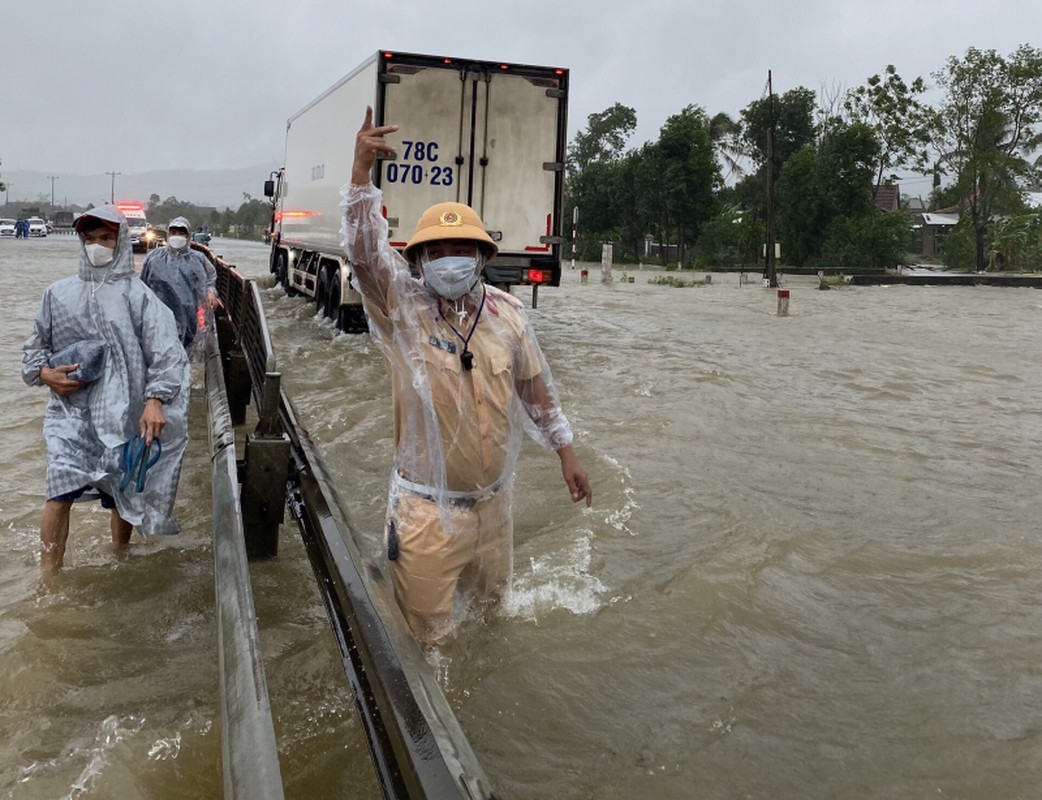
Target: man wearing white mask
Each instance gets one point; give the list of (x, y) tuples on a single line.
[(467, 377), (107, 348), (182, 278)]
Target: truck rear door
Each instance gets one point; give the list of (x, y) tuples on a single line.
[(480, 133)]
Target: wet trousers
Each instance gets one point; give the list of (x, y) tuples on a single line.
[(429, 566)]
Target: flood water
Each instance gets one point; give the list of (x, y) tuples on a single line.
[(811, 570)]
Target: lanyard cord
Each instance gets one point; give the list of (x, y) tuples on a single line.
[(466, 357)]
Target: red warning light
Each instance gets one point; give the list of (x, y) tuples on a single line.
[(535, 275), (504, 66), (388, 55)]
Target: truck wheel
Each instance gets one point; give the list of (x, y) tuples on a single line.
[(280, 272), (332, 298), (321, 306), (351, 319)]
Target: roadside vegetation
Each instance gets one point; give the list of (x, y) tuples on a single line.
[(697, 195), (673, 280), (249, 221)]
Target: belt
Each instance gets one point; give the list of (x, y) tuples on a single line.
[(456, 499)]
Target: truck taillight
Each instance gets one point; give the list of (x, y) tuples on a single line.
[(536, 276)]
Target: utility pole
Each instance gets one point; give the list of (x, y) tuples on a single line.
[(770, 271), (52, 178), (112, 196)]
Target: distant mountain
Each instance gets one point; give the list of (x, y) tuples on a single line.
[(218, 188)]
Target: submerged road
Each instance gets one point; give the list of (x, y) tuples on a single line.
[(811, 571)]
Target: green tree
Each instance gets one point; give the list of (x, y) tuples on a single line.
[(726, 135), (688, 174), (641, 206), (901, 123), (731, 239), (825, 208), (604, 139), (874, 239), (801, 218), (791, 116), (847, 156), (985, 127), (252, 218), (594, 176)]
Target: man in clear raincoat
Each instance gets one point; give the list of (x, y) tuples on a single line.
[(183, 279), (108, 350), (467, 377)]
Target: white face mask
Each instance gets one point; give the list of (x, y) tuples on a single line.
[(451, 276), (177, 242), (99, 255)]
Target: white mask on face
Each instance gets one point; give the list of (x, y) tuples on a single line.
[(451, 276), (99, 255), (177, 242)]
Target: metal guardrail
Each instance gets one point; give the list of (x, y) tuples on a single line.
[(249, 751), (417, 747)]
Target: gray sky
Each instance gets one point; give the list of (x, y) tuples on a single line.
[(93, 87)]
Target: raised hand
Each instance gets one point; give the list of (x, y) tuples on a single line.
[(369, 143)]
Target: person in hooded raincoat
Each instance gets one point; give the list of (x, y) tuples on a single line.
[(184, 279), (467, 377), (120, 371)]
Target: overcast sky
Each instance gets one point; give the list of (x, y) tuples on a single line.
[(139, 85)]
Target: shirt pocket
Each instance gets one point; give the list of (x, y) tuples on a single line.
[(439, 362), (501, 366)]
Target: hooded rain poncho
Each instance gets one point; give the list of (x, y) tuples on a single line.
[(85, 432), (182, 279)]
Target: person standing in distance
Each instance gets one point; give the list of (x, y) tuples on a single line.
[(182, 278), (467, 377)]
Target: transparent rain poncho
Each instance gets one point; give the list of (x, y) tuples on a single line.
[(457, 432), (183, 279), (85, 432)]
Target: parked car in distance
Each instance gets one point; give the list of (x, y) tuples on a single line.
[(7, 227), (37, 227)]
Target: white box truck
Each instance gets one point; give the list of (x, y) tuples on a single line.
[(488, 134)]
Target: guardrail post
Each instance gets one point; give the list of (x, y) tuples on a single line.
[(237, 380), (264, 475)]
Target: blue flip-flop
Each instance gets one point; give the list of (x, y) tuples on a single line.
[(136, 459)]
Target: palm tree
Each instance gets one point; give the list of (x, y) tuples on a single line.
[(725, 135)]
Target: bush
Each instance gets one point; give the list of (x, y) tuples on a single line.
[(875, 240), (730, 239)]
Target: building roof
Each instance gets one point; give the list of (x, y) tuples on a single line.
[(940, 219), (888, 198)]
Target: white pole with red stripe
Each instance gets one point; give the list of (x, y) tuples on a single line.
[(575, 224)]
